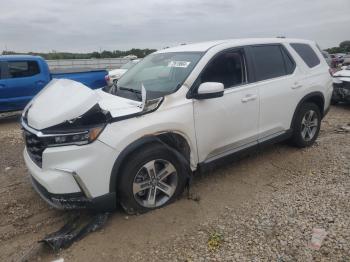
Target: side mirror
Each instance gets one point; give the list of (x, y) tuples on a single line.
[(209, 90)]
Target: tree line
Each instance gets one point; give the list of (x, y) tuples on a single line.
[(344, 47), (53, 55)]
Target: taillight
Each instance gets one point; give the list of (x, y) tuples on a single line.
[(107, 78)]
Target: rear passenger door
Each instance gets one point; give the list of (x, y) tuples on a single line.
[(277, 80), (21, 81)]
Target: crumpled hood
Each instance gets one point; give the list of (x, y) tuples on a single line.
[(62, 100), (342, 73)]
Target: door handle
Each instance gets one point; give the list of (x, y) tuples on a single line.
[(248, 98)]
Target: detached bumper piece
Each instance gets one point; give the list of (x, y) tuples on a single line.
[(75, 229), (76, 200), (341, 92)]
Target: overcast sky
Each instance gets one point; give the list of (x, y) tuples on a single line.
[(88, 25)]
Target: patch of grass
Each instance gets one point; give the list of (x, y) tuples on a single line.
[(215, 240)]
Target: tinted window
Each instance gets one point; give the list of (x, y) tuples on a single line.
[(227, 68), (270, 62), (22, 69), (307, 54), (288, 61)]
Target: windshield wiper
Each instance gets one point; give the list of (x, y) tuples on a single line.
[(134, 91)]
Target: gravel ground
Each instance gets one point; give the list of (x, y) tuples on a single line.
[(278, 225), (261, 208)]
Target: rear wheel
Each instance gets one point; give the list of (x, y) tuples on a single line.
[(152, 177), (307, 125)]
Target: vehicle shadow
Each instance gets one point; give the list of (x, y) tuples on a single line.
[(11, 117), (342, 106)]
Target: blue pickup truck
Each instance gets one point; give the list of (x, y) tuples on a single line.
[(23, 76)]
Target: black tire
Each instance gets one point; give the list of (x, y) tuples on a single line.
[(134, 163), (298, 139)]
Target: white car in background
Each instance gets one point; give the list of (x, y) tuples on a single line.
[(346, 60), (341, 85), (115, 74)]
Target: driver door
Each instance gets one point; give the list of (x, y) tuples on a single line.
[(229, 123)]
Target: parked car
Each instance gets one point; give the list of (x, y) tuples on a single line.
[(341, 84), (22, 77), (179, 110), (130, 57), (115, 74), (340, 57), (346, 60)]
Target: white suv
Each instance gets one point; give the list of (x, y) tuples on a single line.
[(177, 110)]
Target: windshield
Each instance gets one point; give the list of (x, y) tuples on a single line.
[(161, 74), (129, 65)]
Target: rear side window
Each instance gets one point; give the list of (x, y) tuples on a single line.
[(18, 69), (271, 61), (307, 54)]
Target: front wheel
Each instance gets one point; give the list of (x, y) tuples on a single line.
[(307, 125), (151, 178)]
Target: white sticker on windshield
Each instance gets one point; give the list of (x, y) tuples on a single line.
[(182, 64)]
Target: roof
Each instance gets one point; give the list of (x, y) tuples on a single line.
[(18, 57), (204, 46)]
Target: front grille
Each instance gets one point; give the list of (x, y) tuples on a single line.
[(35, 147)]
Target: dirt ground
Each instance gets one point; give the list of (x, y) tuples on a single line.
[(225, 200)]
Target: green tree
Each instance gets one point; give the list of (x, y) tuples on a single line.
[(345, 46)]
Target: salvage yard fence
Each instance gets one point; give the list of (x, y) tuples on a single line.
[(86, 64)]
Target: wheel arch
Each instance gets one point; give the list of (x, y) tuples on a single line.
[(175, 141), (314, 97)]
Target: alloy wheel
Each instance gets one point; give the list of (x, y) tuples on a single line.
[(309, 125), (155, 183)]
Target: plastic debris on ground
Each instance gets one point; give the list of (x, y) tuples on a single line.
[(75, 229), (318, 235), (59, 260)]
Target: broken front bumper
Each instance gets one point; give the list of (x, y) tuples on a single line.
[(62, 190), (75, 200), (341, 92)]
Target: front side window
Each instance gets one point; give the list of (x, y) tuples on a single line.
[(271, 61), (18, 69), (227, 68), (307, 54), (161, 74)]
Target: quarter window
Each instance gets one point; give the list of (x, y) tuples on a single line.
[(271, 61), (307, 54), (18, 69), (227, 68)]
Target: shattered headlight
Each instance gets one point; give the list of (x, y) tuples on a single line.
[(78, 138)]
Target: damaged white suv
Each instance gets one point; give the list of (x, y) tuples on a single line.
[(177, 110)]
